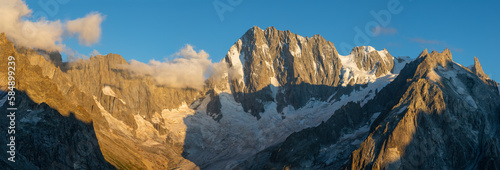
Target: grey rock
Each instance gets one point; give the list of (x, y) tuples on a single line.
[(423, 123)]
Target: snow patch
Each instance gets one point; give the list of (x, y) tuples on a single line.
[(301, 39), (433, 76), (32, 117), (237, 61), (174, 121), (106, 90), (368, 49), (264, 48), (3, 100), (113, 122), (330, 153), (401, 110), (369, 92), (400, 63), (145, 130), (471, 101), (459, 87), (470, 67), (297, 52), (351, 72), (239, 134)]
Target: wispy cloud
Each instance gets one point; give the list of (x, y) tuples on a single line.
[(384, 31), (424, 42), (457, 49)]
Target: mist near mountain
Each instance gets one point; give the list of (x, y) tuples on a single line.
[(189, 69), (277, 100)]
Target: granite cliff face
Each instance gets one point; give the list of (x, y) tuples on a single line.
[(279, 66), (368, 59), (265, 60), (478, 69), (280, 79), (48, 124), (435, 114), (86, 96), (283, 100)]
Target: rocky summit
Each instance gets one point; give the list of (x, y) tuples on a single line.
[(282, 101)]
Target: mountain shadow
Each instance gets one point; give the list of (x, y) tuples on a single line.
[(435, 114), (45, 139), (253, 106)]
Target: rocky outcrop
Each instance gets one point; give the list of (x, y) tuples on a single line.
[(43, 135), (424, 119), (436, 124), (48, 124), (275, 76), (271, 65), (368, 59), (344, 110), (279, 58), (125, 111), (129, 111), (478, 70), (264, 60)]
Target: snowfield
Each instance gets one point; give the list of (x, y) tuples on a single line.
[(224, 144), (238, 134)]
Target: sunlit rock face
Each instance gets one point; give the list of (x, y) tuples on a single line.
[(281, 100), (436, 113), (47, 124)]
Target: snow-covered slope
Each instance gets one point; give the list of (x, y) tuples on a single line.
[(224, 143), (365, 64), (258, 99), (282, 94), (433, 110), (239, 134), (399, 63)]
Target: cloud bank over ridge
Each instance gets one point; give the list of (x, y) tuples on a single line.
[(189, 69)]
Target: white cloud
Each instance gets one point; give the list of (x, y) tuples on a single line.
[(384, 31), (87, 28), (45, 34), (188, 70)]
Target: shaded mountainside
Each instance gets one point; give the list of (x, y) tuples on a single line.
[(47, 124), (140, 124), (283, 100), (90, 91), (43, 135), (262, 60), (287, 83), (279, 66), (435, 114)]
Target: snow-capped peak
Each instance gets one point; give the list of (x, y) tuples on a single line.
[(369, 49)]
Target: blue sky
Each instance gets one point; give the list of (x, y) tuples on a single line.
[(154, 29)]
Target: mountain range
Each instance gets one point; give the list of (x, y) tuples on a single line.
[(281, 101)]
